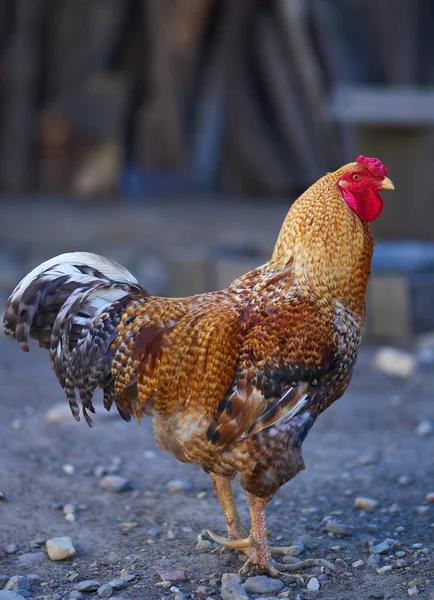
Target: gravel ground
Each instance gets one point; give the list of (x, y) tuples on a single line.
[(132, 511)]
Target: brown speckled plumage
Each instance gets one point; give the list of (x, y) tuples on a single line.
[(233, 379)]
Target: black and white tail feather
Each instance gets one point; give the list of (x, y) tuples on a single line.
[(72, 305)]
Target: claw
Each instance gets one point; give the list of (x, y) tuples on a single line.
[(244, 543)]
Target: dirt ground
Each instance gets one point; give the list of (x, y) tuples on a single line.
[(361, 446)]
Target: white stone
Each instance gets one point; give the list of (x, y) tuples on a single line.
[(395, 362), (60, 548)]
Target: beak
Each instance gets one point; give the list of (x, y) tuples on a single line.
[(387, 184)]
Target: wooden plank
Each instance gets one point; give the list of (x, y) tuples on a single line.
[(294, 21), (385, 106), (19, 89)]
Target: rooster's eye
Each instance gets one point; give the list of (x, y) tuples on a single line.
[(356, 177)]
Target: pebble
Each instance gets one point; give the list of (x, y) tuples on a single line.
[(2, 495), (74, 595), (261, 584), (290, 560), (357, 564), (88, 585), (3, 581), (232, 590), (31, 558), (338, 528), (313, 585), (204, 546), (413, 591), (60, 548), (8, 595), (18, 584), (395, 362), (365, 503), (430, 498), (105, 591), (11, 549), (114, 483), (422, 511), (231, 577), (68, 469), (382, 548), (171, 575), (295, 549), (373, 561), (178, 485), (424, 429), (384, 570), (119, 584), (404, 481), (34, 578), (202, 590), (180, 596)]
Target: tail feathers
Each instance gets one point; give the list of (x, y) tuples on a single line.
[(72, 305)]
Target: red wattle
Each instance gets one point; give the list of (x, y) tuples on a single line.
[(367, 206)]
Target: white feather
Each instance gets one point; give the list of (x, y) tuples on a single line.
[(64, 265)]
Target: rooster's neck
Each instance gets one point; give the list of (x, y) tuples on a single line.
[(328, 248)]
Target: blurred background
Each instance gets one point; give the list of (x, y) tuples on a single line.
[(173, 135)]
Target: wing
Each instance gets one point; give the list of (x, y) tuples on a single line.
[(177, 354), (285, 356)]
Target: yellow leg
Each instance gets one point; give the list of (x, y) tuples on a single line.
[(223, 490), (258, 550)]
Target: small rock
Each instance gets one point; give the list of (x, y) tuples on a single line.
[(413, 591), (68, 469), (357, 564), (34, 578), (394, 362), (120, 584), (178, 485), (338, 528), (114, 483), (202, 590), (424, 429), (2, 495), (313, 585), (204, 546), (3, 581), (365, 503), (231, 577), (11, 549), (60, 548), (105, 591), (8, 595), (373, 561), (401, 564), (180, 596), (88, 585), (18, 584), (404, 481), (382, 548), (384, 570), (232, 590), (422, 511), (74, 595), (295, 549), (171, 575), (31, 558), (430, 498), (261, 584), (290, 560), (201, 495)]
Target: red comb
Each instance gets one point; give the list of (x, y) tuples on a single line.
[(373, 165)]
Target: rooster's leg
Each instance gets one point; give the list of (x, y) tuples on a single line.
[(223, 490), (259, 550)]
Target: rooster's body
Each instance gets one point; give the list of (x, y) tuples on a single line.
[(233, 379)]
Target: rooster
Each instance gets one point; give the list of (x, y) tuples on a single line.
[(234, 379)]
